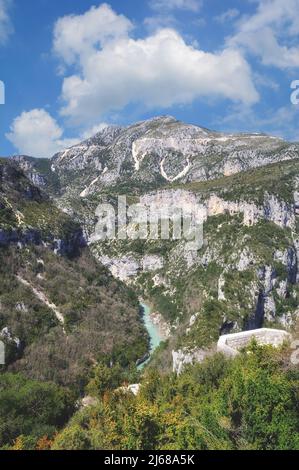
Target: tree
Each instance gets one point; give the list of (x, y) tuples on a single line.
[(104, 379), (31, 408)]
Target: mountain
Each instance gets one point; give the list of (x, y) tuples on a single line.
[(163, 150), (245, 187), (28, 214), (60, 310), (159, 151), (69, 302)]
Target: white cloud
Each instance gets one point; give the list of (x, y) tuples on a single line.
[(265, 81), (164, 12), (192, 5), (156, 22), (271, 32), (159, 71), (36, 133), (227, 16), (75, 37), (5, 23)]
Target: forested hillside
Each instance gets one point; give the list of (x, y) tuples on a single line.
[(60, 312)]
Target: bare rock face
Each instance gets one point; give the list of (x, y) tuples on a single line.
[(128, 267), (162, 150), (86, 153), (273, 210), (134, 388), (27, 165), (270, 308), (88, 401), (122, 268), (152, 263), (5, 334), (245, 259), (183, 357), (221, 284)]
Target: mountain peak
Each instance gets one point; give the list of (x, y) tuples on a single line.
[(155, 152), (104, 137)]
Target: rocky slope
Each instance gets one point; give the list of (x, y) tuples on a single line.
[(245, 188), (38, 171), (244, 276), (27, 215), (156, 152), (164, 150), (60, 310)]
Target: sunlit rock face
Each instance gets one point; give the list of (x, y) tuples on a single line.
[(181, 358), (156, 152)]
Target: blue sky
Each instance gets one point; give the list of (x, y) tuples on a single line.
[(71, 67)]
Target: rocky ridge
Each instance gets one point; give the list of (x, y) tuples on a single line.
[(245, 189), (156, 152)]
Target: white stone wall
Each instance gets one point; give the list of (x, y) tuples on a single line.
[(231, 344)]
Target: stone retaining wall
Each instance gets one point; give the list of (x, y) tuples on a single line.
[(231, 344)]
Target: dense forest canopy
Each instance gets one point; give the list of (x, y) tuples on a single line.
[(250, 402)]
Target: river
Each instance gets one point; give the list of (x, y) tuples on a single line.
[(153, 331)]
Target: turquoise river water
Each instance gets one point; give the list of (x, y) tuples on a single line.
[(153, 332)]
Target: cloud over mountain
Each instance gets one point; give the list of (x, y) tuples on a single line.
[(36, 133), (114, 69)]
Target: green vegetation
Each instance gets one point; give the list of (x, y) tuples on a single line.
[(31, 410), (251, 185), (250, 402), (195, 290), (101, 316), (24, 208), (43, 167)]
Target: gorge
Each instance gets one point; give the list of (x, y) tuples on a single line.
[(243, 276)]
